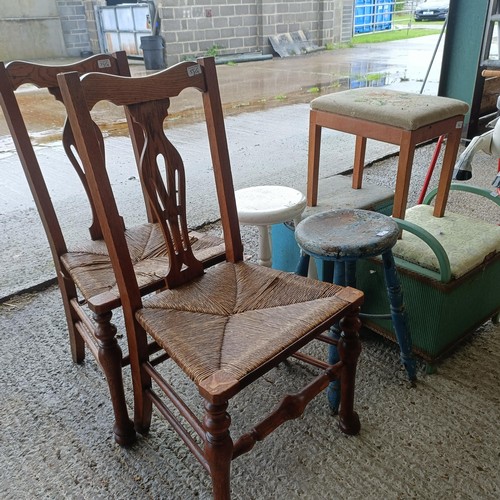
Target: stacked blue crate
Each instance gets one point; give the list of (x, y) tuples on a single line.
[(363, 16), (373, 15), (383, 15)]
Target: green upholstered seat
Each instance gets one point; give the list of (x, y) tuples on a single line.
[(405, 110)]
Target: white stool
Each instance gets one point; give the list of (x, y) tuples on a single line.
[(263, 206)]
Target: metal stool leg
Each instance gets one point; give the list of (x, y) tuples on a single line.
[(398, 314)]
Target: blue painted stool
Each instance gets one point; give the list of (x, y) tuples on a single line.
[(339, 238)]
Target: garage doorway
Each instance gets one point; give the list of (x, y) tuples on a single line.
[(121, 26)]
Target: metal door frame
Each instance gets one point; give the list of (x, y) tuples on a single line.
[(137, 31)]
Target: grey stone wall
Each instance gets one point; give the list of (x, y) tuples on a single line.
[(57, 28), (74, 27), (193, 28), (30, 29)]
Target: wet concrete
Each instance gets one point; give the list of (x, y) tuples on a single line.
[(266, 84)]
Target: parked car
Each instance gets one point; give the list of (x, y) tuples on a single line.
[(432, 10)]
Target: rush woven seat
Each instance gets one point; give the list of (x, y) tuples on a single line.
[(248, 315), (84, 273), (224, 326), (89, 264)]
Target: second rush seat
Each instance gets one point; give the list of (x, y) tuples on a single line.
[(84, 272)]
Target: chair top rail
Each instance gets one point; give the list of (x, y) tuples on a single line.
[(45, 76), (124, 91)]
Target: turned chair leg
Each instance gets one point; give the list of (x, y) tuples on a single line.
[(110, 358), (349, 349), (218, 448)]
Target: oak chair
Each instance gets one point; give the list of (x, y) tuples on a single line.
[(225, 326), (84, 273)]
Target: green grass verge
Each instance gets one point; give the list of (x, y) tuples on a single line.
[(388, 36)]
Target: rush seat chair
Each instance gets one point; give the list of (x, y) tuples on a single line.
[(225, 326), (84, 272)]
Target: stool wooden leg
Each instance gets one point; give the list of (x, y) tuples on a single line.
[(326, 271), (398, 314), (313, 160), (303, 265), (306, 266), (359, 162), (406, 153), (450, 156), (350, 273), (338, 273), (264, 247), (333, 392)]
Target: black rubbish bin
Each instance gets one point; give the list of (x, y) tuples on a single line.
[(152, 48)]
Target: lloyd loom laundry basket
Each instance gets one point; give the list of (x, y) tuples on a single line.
[(450, 274)]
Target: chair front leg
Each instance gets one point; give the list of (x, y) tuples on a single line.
[(110, 358), (218, 448), (349, 349)]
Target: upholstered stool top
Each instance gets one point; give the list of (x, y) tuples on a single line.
[(346, 234), (404, 110), (267, 205), (466, 241)]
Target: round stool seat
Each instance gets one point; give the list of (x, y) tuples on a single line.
[(346, 234), (268, 205), (339, 238), (264, 206)]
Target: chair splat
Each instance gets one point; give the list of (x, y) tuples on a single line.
[(167, 197)]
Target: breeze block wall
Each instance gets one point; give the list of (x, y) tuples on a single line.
[(72, 14), (198, 27)]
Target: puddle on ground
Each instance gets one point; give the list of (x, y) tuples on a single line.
[(46, 116)]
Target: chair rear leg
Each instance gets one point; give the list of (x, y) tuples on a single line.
[(143, 404), (218, 448), (68, 293), (110, 358)]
